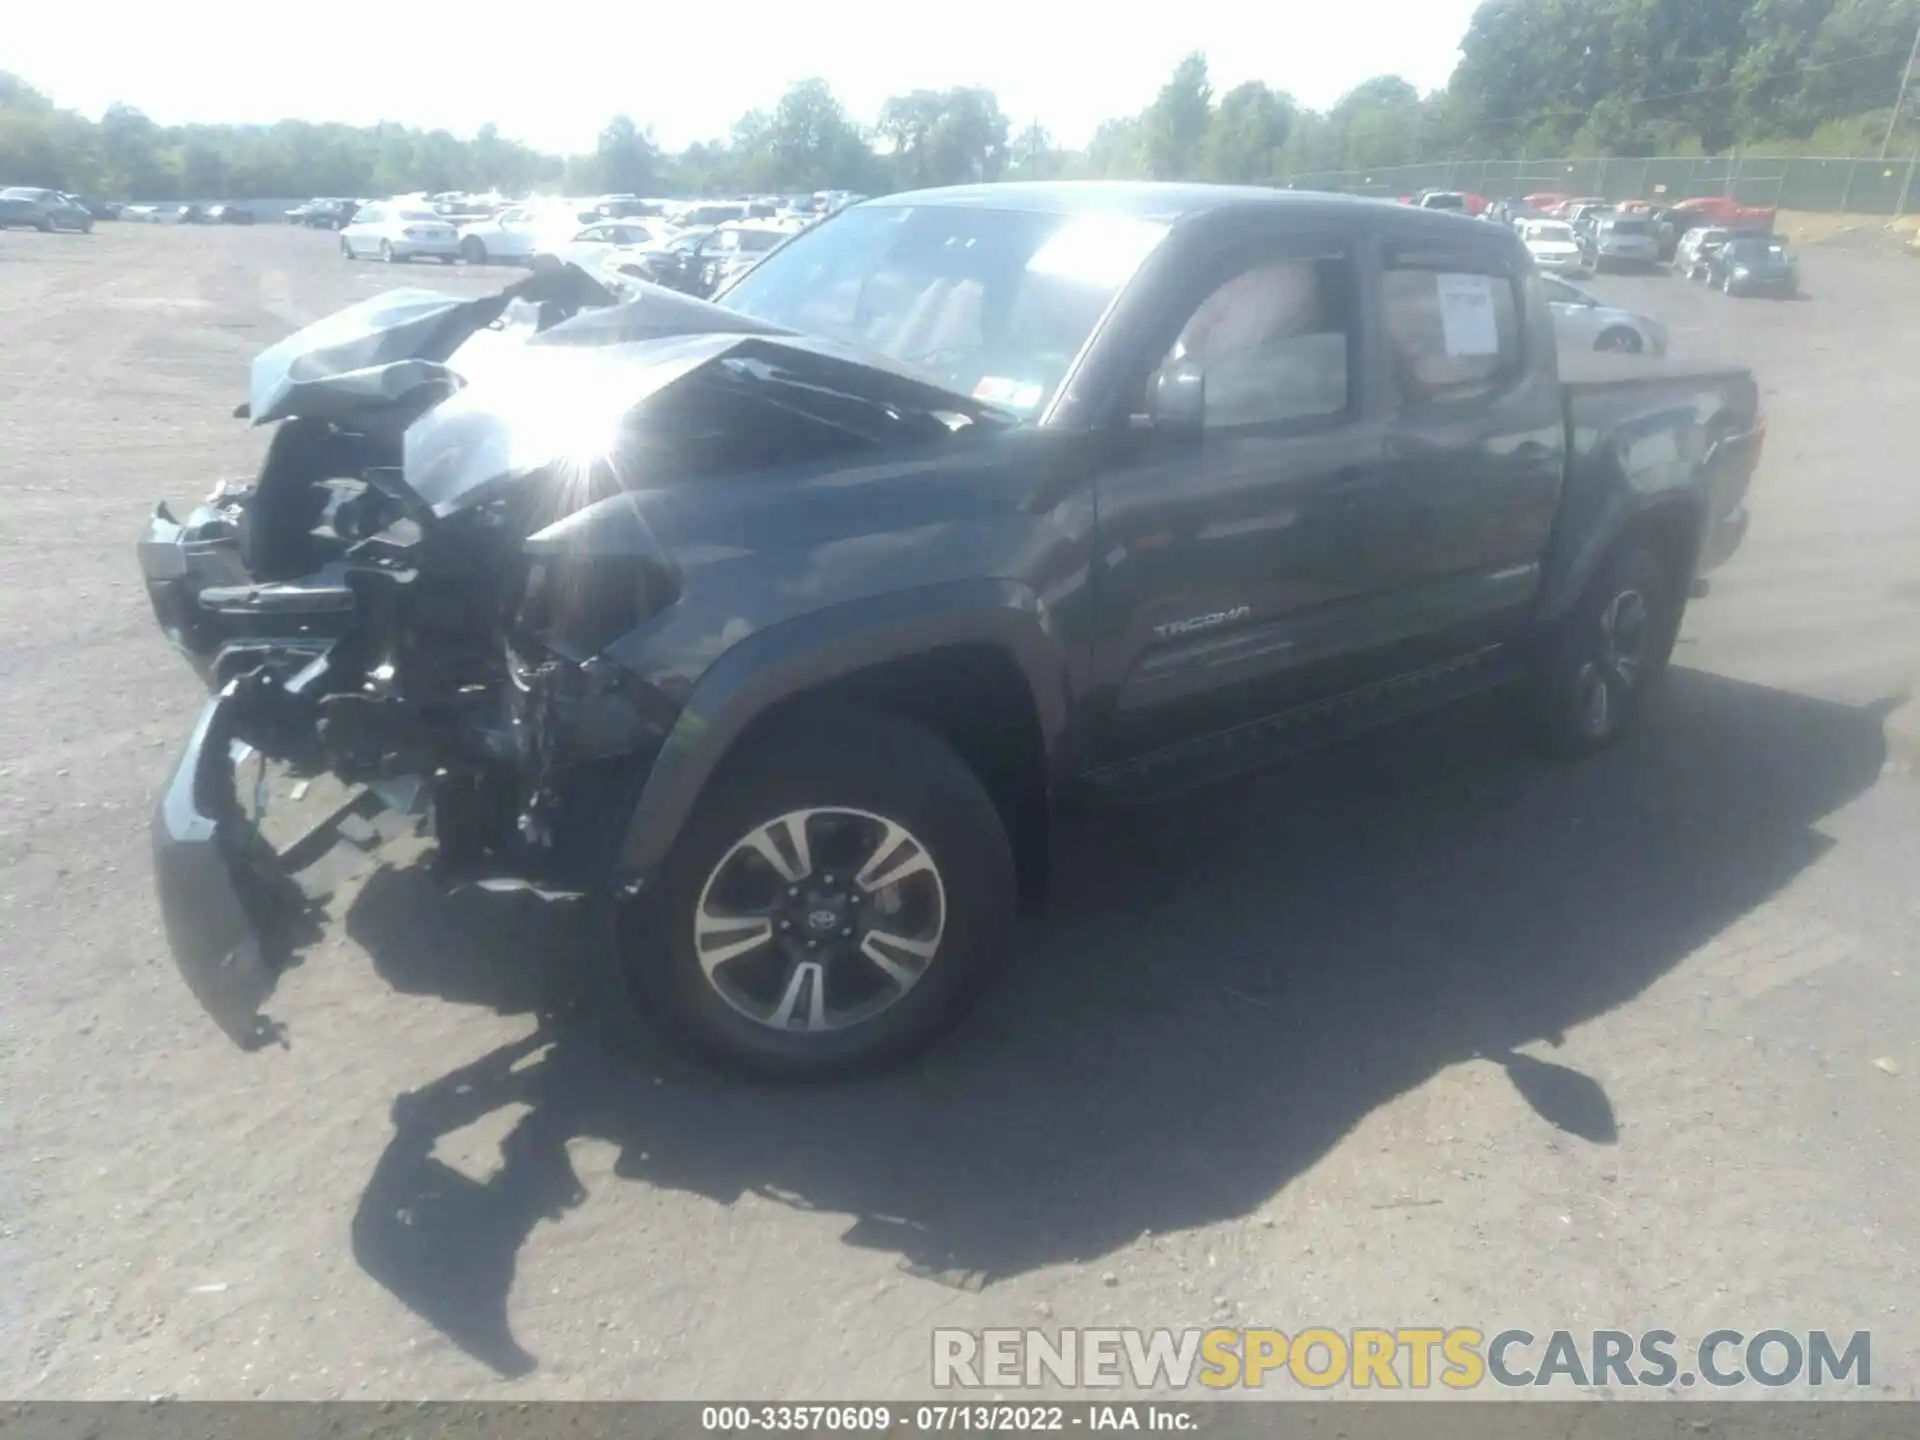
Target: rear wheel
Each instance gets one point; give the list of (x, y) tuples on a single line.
[(473, 250), (837, 900), (386, 251), (1594, 668)]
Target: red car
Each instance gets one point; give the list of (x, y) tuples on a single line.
[(1721, 210)]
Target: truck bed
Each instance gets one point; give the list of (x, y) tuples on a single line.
[(1638, 428), (1585, 371)]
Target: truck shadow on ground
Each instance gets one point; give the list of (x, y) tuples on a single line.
[(1222, 988)]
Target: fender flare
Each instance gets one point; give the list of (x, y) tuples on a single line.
[(1567, 579), (798, 655)]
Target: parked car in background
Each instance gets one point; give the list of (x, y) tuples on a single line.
[(141, 214), (719, 212), (190, 215), (31, 206), (1556, 250), (1463, 201), (230, 215), (512, 236), (325, 213), (677, 262), (732, 250), (1624, 242), (1698, 247), (1582, 322), (595, 243), (98, 209), (1755, 265), (1720, 210), (393, 232), (628, 207)]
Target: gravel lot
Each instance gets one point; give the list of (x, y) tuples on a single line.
[(1420, 1033)]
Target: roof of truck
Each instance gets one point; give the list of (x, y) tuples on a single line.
[(1158, 200)]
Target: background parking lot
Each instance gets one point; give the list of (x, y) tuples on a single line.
[(1419, 1032)]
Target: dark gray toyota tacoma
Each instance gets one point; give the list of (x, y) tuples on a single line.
[(781, 626)]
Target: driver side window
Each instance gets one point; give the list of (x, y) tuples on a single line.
[(1273, 342)]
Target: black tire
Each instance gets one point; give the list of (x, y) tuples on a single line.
[(1619, 341), (1589, 645), (346, 250), (473, 250), (44, 225), (859, 763), (386, 252)]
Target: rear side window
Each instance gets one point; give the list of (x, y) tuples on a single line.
[(1452, 334)]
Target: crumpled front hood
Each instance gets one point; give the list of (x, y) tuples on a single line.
[(589, 390), (375, 353)]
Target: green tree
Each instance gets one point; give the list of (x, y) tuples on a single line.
[(1246, 134), (1174, 128), (945, 137)]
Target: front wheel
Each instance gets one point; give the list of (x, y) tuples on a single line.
[(837, 900), (386, 251), (473, 250), (1593, 670), (1619, 341)]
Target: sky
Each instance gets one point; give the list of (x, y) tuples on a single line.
[(688, 70)]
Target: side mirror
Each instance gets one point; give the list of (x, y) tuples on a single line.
[(1177, 398)]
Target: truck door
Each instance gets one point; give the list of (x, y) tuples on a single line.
[(1474, 451), (1227, 556)]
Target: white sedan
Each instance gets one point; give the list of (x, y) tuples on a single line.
[(517, 233), (399, 232), (1582, 322), (1555, 248), (596, 243)]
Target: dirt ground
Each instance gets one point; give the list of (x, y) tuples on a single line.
[(1418, 1033)]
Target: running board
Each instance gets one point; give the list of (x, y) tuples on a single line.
[(1225, 754)]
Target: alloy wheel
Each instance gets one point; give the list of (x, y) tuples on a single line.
[(820, 919), (1607, 681)]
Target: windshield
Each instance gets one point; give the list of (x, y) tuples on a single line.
[(1627, 227), (1552, 234), (991, 303), (1756, 250), (416, 215)]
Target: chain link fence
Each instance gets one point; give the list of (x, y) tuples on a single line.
[(1796, 182)]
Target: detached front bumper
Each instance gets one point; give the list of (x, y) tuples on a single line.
[(226, 904)]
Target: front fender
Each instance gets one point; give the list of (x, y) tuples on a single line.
[(802, 654)]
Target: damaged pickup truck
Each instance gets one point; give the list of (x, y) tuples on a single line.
[(782, 625)]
